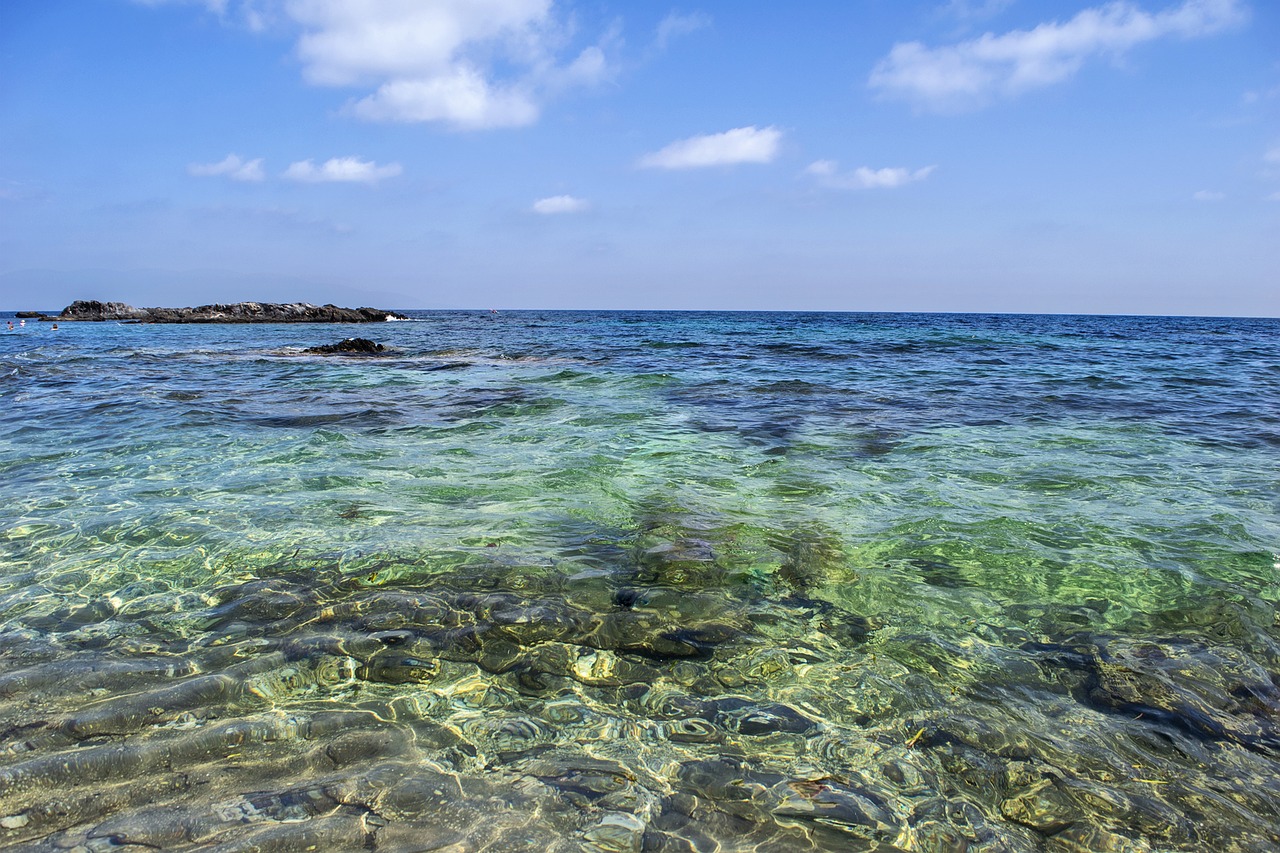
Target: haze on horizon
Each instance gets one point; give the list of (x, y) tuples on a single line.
[(1112, 156)]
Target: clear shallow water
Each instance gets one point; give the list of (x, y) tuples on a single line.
[(565, 581)]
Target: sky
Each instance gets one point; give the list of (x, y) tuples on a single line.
[(845, 155)]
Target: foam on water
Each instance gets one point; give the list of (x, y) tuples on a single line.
[(643, 581)]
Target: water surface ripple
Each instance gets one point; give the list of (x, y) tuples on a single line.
[(567, 581)]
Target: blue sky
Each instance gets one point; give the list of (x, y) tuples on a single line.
[(943, 155)]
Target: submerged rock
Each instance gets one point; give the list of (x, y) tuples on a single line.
[(833, 812), (755, 718), (1042, 807), (684, 562), (1209, 693), (617, 831), (348, 346), (238, 312)]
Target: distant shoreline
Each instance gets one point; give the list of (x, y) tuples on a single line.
[(415, 313), (92, 311)]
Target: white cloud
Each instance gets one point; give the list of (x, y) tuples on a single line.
[(467, 63), (232, 167), (967, 10), (677, 24), (218, 7), (350, 42), (1270, 164), (1208, 195), (828, 174), (15, 191), (341, 170), (462, 98), (740, 145), (251, 13), (560, 204), (1253, 97), (969, 73)]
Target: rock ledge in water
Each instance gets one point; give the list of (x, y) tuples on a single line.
[(239, 312), (350, 346)]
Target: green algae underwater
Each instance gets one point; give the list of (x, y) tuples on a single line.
[(614, 581)]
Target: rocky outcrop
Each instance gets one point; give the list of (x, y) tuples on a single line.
[(350, 346), (239, 312), (94, 310)]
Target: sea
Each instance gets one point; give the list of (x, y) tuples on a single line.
[(642, 581)]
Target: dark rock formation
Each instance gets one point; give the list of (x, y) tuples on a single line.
[(350, 346), (94, 310), (239, 312), (28, 315)]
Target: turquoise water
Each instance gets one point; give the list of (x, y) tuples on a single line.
[(642, 581)]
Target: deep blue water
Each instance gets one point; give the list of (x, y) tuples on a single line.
[(643, 580)]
